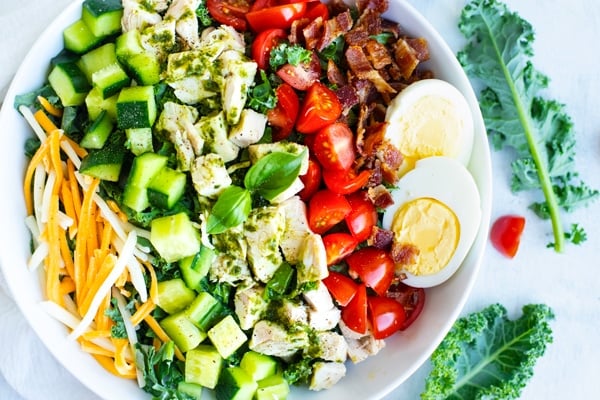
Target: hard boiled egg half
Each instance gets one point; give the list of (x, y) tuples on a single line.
[(435, 218), (430, 118)]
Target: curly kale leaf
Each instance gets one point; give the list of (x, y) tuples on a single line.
[(487, 356), (499, 53)]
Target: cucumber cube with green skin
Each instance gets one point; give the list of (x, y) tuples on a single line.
[(203, 366), (166, 188), (174, 237), (235, 384), (258, 366), (180, 329), (110, 79), (274, 387), (69, 83), (104, 163), (191, 389), (143, 169), (194, 268), (96, 103), (144, 67), (174, 295), (136, 107), (227, 336), (79, 38), (103, 17), (128, 44), (95, 60), (97, 133), (139, 140), (204, 311)]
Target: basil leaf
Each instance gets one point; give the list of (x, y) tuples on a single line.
[(274, 173), (231, 209)]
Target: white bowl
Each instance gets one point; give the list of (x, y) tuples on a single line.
[(373, 378)]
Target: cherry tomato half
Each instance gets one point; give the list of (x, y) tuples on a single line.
[(311, 180), (326, 209), (354, 314), (386, 316), (362, 218), (303, 75), (229, 12), (506, 234), (264, 43), (319, 108), (283, 117), (341, 287), (374, 267), (345, 182), (280, 16), (412, 300), (260, 4), (334, 147), (338, 245), (317, 9)]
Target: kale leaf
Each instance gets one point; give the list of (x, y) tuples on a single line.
[(487, 356), (285, 53), (499, 53)]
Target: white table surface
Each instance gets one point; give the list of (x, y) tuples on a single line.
[(567, 37)]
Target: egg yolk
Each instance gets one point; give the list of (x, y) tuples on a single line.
[(432, 127), (432, 228)]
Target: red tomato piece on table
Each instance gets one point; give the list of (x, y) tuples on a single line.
[(303, 75), (280, 16), (320, 107), (338, 245), (264, 43), (326, 209), (229, 12), (363, 216), (311, 180), (386, 316), (334, 146), (506, 234), (345, 182), (412, 300), (373, 266), (283, 116), (341, 287), (355, 314)]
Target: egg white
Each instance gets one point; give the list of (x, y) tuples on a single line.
[(449, 182), (401, 111)]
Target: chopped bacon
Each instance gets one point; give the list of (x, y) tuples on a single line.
[(420, 46), (380, 196), (379, 6), (333, 28), (361, 67), (404, 253), (380, 238), (296, 36), (357, 36), (313, 32), (335, 75), (378, 54), (370, 21), (348, 98), (406, 58), (337, 7)]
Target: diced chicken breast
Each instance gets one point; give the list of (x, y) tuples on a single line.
[(176, 121), (264, 229), (295, 188), (312, 265), (319, 298), (209, 175), (184, 12), (292, 313), (258, 151), (326, 374), (229, 269), (184, 149), (296, 228), (238, 76), (273, 339), (233, 242), (160, 38), (213, 129), (136, 16), (360, 346), (250, 128), (249, 305), (324, 320), (193, 89), (332, 346), (222, 38)]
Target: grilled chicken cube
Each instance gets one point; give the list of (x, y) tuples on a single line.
[(249, 305), (326, 374), (264, 229), (296, 228), (273, 339), (209, 175), (332, 346), (249, 129), (213, 129)]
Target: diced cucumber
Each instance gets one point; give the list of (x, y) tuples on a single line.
[(191, 389), (194, 268), (235, 384), (79, 38), (227, 336), (139, 140), (204, 311), (136, 107), (174, 295), (181, 330), (203, 366), (110, 79), (96, 59), (69, 83), (166, 188), (274, 387), (105, 163), (174, 237), (145, 68), (258, 366), (97, 133), (143, 169), (103, 17), (128, 44), (96, 103)]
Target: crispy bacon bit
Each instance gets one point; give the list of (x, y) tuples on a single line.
[(348, 97), (361, 67), (378, 54), (379, 6), (380, 196), (420, 46), (370, 21), (296, 36), (356, 37), (335, 75), (380, 238), (334, 27), (406, 58), (337, 6), (404, 254), (312, 33)]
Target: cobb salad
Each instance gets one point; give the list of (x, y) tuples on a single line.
[(234, 196)]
